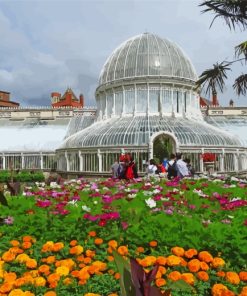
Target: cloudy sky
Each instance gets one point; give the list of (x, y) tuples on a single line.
[(48, 45)]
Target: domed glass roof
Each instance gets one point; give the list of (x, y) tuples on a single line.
[(147, 55), (136, 131)]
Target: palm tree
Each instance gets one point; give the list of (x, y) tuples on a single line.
[(234, 13)]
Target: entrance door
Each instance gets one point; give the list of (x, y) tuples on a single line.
[(163, 146)]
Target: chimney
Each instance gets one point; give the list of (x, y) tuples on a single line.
[(81, 100), (55, 97), (215, 100)]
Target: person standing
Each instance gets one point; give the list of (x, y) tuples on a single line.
[(115, 170), (152, 168), (172, 168), (182, 168)]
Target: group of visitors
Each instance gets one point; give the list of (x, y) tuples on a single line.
[(124, 168), (175, 167)]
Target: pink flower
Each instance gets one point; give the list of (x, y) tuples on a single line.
[(9, 220), (125, 225)]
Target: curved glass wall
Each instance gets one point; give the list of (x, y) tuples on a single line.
[(148, 99), (147, 55)]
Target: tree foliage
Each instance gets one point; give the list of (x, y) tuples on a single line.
[(234, 12)]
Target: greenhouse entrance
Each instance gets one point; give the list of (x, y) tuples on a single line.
[(163, 146)]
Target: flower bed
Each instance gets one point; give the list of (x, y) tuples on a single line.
[(59, 240)]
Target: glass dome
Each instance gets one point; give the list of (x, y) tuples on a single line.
[(147, 55), (136, 131)]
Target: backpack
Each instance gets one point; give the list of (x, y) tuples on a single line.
[(172, 170), (129, 172)]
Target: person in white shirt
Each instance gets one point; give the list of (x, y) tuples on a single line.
[(182, 168), (152, 168)]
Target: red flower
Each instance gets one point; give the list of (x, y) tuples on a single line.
[(208, 157), (102, 223)]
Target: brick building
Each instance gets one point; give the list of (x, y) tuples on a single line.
[(68, 99), (5, 101)]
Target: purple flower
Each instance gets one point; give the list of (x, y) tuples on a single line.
[(9, 220), (192, 207), (169, 211)]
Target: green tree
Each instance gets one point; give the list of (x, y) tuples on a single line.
[(234, 12)]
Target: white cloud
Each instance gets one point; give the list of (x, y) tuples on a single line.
[(50, 45)]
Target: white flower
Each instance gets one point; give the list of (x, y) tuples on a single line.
[(73, 202), (127, 189), (95, 202), (165, 198), (150, 203), (175, 190), (236, 198), (156, 191), (133, 195), (86, 209), (54, 185), (232, 186), (231, 217), (234, 179), (105, 188), (147, 193)]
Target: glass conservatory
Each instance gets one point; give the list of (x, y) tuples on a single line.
[(147, 101)]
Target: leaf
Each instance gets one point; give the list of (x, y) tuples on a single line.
[(126, 285), (233, 12), (137, 273), (154, 291), (240, 85), (214, 78), (3, 199)]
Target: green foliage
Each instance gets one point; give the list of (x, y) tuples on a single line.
[(23, 176)]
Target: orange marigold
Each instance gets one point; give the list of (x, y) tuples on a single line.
[(117, 276), (50, 293), (243, 276), (188, 278), (217, 289), (153, 243), (140, 250), (178, 251), (53, 278), (26, 245), (194, 265), (76, 250), (98, 241), (31, 263), (123, 250), (161, 260), (204, 266), (39, 281), (10, 276), (221, 273), (14, 243), (243, 292), (160, 282), (57, 247), (90, 253), (190, 253), (92, 233), (44, 269), (173, 260), (205, 256), (8, 256), (232, 277), (217, 262), (174, 276), (203, 276), (147, 261), (73, 243), (6, 287), (113, 244), (27, 238)]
